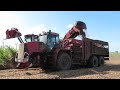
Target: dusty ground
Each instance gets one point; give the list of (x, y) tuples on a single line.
[(111, 70)]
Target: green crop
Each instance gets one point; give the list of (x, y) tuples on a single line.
[(6, 54)]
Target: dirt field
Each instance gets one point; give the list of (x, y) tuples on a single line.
[(111, 70)]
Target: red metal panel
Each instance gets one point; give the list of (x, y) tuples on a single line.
[(12, 33), (34, 47)]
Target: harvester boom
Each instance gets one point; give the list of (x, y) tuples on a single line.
[(76, 30)]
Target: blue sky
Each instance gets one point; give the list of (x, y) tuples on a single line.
[(102, 25)]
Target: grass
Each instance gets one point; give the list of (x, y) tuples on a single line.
[(114, 54), (6, 55)]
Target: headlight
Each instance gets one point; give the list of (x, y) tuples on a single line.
[(26, 55), (16, 55)]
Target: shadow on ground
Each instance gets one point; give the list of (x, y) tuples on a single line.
[(80, 71)]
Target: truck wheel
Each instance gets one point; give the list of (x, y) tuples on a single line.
[(93, 62), (64, 62), (100, 61)]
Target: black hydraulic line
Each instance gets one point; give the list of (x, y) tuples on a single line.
[(20, 39)]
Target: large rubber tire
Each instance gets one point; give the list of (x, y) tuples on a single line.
[(93, 62), (101, 61), (64, 62)]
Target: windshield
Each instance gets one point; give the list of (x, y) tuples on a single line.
[(43, 39), (51, 40), (28, 39)]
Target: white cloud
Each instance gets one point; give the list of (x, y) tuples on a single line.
[(95, 38), (54, 28), (69, 26), (39, 28), (36, 29)]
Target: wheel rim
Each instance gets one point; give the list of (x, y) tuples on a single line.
[(64, 63)]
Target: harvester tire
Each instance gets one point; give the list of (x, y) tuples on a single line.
[(100, 61), (93, 62), (64, 62)]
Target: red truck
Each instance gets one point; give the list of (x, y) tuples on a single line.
[(46, 50)]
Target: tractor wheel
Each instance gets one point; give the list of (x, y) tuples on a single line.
[(64, 62), (93, 62), (35, 62), (100, 61)]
